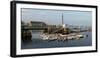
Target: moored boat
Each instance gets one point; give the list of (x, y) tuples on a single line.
[(61, 36)]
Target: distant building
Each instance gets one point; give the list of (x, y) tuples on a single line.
[(36, 24)]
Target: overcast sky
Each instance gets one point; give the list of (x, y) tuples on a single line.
[(83, 18)]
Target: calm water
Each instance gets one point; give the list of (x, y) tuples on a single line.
[(38, 43)]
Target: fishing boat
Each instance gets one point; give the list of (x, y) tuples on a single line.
[(60, 34), (61, 37)]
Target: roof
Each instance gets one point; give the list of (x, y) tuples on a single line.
[(37, 22)]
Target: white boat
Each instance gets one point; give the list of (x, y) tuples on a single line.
[(44, 37), (80, 36), (61, 37)]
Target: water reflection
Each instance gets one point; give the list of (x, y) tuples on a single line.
[(38, 43)]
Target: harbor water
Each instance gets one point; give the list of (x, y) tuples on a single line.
[(37, 42)]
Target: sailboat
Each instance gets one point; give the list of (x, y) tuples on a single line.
[(63, 35)]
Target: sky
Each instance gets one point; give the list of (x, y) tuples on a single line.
[(70, 17)]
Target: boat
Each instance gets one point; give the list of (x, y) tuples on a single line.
[(61, 36), (62, 33)]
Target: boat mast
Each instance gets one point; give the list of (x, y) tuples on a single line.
[(62, 20), (63, 25)]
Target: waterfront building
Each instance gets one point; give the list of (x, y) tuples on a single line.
[(37, 24)]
